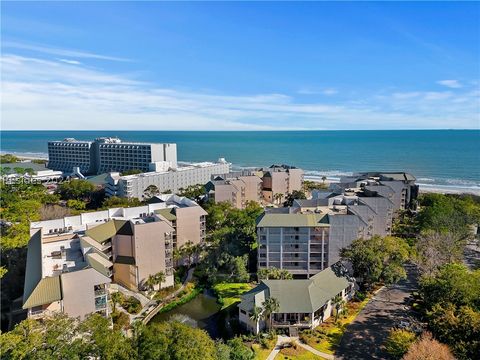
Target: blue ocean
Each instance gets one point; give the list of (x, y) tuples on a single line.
[(440, 159)]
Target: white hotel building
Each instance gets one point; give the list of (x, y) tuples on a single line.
[(133, 186)]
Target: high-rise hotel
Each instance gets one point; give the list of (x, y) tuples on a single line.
[(110, 154)]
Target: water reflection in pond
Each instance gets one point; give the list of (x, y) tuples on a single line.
[(201, 312)]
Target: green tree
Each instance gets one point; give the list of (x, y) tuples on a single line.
[(338, 304), (76, 189), (103, 342), (270, 306), (8, 159), (117, 298), (398, 342), (175, 341), (115, 201), (150, 192), (296, 194), (194, 192), (76, 204), (379, 259), (131, 172), (238, 350), (452, 303)]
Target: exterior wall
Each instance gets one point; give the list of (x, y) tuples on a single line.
[(190, 225), (279, 182), (253, 187), (226, 193), (343, 230), (125, 275), (102, 156), (302, 251), (295, 180), (135, 185), (122, 245), (149, 249), (65, 155), (78, 291)]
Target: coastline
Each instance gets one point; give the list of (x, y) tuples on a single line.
[(316, 176)]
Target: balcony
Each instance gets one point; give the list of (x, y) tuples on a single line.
[(101, 292)]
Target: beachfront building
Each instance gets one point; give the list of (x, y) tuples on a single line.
[(108, 154), (308, 236), (72, 261), (280, 180), (235, 188), (399, 187), (169, 180), (303, 304), (264, 185)]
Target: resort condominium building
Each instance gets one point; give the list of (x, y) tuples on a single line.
[(236, 188), (308, 236), (271, 185), (109, 154), (399, 187), (280, 180), (72, 261), (172, 180)]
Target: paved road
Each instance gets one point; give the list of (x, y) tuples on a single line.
[(364, 337)]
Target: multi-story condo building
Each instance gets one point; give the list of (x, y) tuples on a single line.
[(308, 236), (271, 185), (304, 304), (235, 188), (109, 154), (187, 219), (71, 261), (279, 181), (134, 186), (399, 187)]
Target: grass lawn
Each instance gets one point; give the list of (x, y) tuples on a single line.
[(298, 353), (327, 336), (262, 353), (229, 293)]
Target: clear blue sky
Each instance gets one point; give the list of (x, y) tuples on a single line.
[(154, 65)]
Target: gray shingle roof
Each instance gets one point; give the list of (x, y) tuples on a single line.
[(298, 296)]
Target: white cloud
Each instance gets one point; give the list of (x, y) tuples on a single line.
[(59, 52), (310, 91), (330, 91), (453, 84), (71, 62), (47, 94)]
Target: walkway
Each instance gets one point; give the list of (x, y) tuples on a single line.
[(286, 339), (153, 311), (365, 336)]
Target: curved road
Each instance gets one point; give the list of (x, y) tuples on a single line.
[(364, 337)]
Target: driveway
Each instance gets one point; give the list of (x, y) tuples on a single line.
[(365, 335)]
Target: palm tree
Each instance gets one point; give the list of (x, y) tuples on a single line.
[(150, 282), (270, 306), (160, 277), (338, 304), (256, 316), (150, 192), (278, 197), (116, 299)]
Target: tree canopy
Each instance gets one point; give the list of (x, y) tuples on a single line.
[(379, 259)]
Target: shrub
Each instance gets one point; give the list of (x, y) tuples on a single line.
[(427, 348), (398, 342), (132, 305), (120, 320), (360, 296)]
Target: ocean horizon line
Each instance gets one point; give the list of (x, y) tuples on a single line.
[(253, 130)]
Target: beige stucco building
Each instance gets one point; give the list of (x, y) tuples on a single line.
[(71, 261), (265, 185)]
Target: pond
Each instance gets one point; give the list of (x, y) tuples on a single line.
[(202, 312)]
